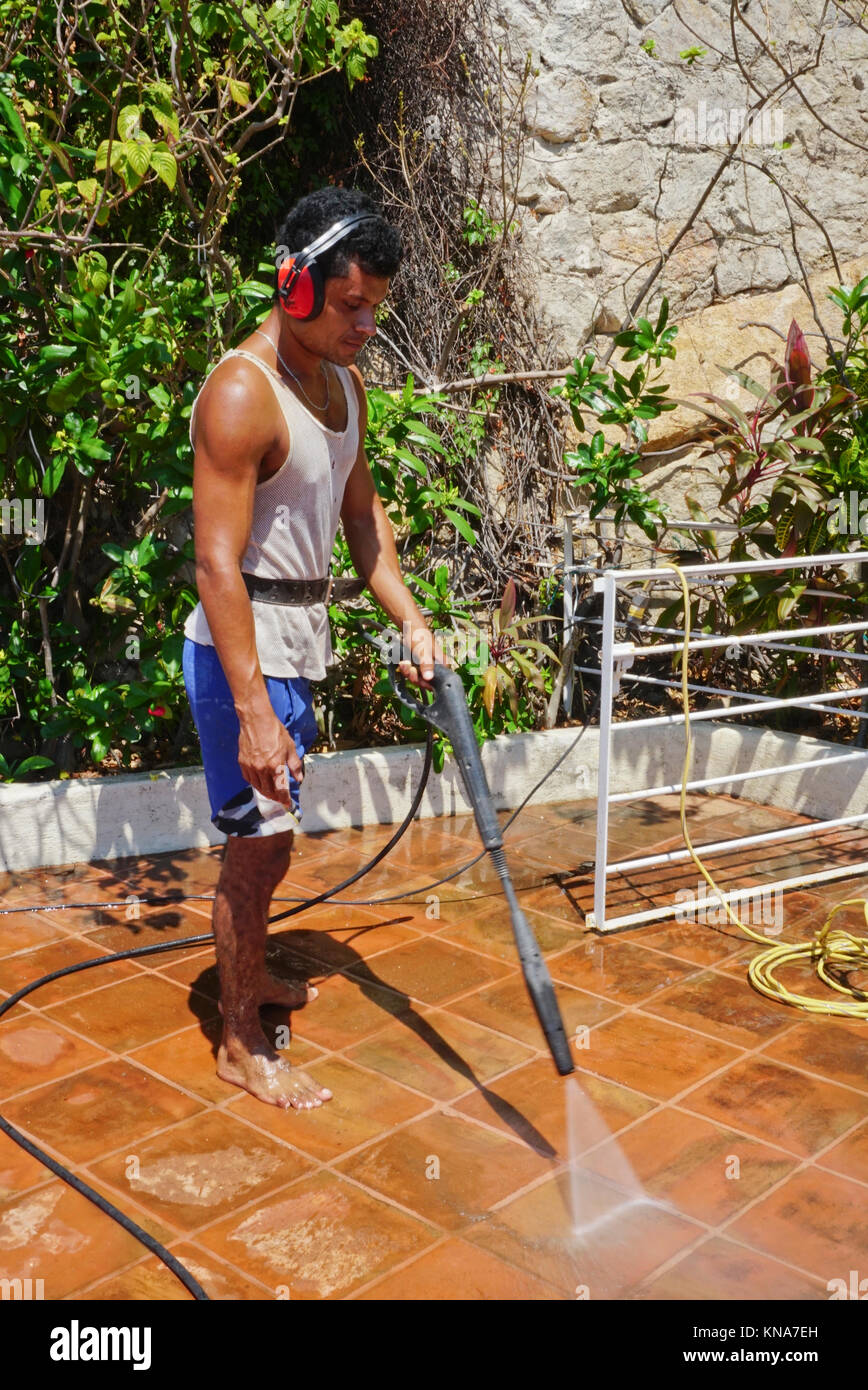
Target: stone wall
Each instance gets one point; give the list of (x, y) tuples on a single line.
[(622, 142)]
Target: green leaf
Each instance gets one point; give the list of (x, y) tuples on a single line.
[(163, 164), (129, 121), (460, 525), (138, 156)]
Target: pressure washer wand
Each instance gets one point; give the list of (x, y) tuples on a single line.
[(448, 712)]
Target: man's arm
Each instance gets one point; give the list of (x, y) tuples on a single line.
[(372, 548), (234, 430)]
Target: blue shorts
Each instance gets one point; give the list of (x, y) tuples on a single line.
[(236, 807)]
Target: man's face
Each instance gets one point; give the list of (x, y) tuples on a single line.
[(347, 321)]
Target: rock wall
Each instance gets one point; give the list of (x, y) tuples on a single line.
[(622, 140)]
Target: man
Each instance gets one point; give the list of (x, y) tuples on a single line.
[(278, 431)]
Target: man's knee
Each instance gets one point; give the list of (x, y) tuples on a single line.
[(261, 858)]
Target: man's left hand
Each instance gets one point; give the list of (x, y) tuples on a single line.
[(426, 650)]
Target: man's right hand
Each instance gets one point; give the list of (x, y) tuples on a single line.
[(265, 750)]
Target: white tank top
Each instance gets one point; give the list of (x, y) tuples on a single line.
[(296, 513)]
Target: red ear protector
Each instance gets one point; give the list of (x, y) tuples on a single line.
[(300, 282)]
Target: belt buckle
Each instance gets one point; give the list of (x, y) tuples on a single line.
[(328, 592)]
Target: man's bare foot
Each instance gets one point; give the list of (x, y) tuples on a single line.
[(264, 1073), (285, 994)]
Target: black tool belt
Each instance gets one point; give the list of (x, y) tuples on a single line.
[(302, 592)]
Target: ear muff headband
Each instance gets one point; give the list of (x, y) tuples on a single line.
[(300, 282)]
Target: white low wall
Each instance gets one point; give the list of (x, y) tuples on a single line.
[(106, 818)]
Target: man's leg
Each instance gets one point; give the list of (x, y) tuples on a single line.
[(252, 868)]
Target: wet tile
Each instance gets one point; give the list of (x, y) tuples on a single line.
[(617, 970), (16, 971), (35, 1049), (559, 849), (347, 1011), (457, 1270), (172, 873), (151, 1282), (721, 1270), (321, 1238), (581, 1236), (830, 1047), (445, 1169), (489, 930), (201, 1170), (428, 844), (697, 1168), (342, 938), (22, 931), (55, 1234), (815, 1221), (326, 871), (688, 941), (18, 1170), (438, 1053), (132, 1013), (151, 927), (430, 971), (796, 1112), (506, 1007), (558, 1118), (723, 1007), (850, 1156), (98, 1110), (363, 1105), (651, 1056)]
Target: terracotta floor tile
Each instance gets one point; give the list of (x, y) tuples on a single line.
[(428, 844), (484, 878), (36, 1049), (341, 938), (687, 940), (721, 1270), (507, 1008), (132, 1013), (22, 931), (18, 1171), (850, 1156), (151, 1282), (201, 1170), (490, 930), (618, 970), (556, 1117), (699, 1169), (566, 900), (651, 1056), (169, 873), (429, 970), (321, 1238), (445, 1169), (799, 1113), (561, 849), (830, 1047), (61, 883), (16, 971), (459, 1271), (326, 871), (104, 1108), (815, 1221), (363, 1105), (346, 1012), (152, 927), (68, 1241), (725, 1008), (439, 1053), (586, 1239)]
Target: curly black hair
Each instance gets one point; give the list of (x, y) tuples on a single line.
[(375, 246)]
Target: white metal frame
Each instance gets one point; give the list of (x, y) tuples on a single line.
[(618, 657)]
